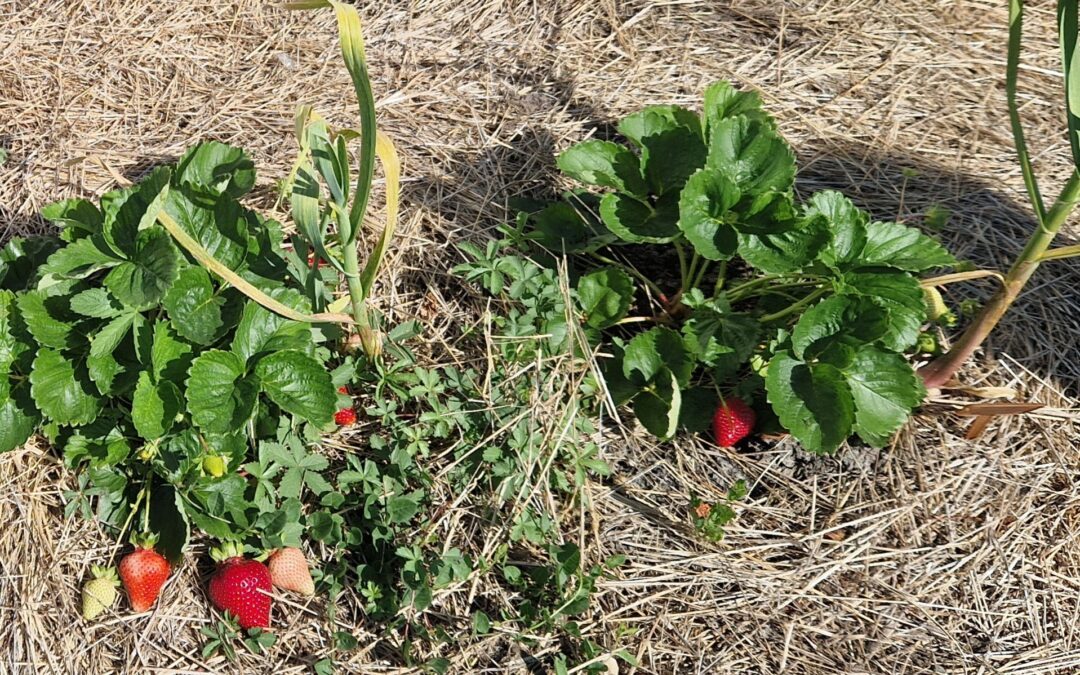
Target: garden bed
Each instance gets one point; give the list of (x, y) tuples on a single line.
[(937, 554)]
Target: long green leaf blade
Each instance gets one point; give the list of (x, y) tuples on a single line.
[(1070, 58), (1012, 68)]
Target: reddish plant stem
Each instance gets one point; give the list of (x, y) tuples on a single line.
[(937, 373)]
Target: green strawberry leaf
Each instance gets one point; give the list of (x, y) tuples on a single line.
[(654, 351), (108, 338), (104, 369), (154, 407), (298, 384), (100, 443), (812, 401), (261, 330), (96, 303), (62, 390), (752, 155), (194, 307), (129, 211), (618, 385), (18, 418), (671, 144), (214, 169), (22, 261), (559, 227), (649, 122), (723, 101), (46, 319), (885, 390), (705, 214), (899, 294), (219, 396), (845, 223), (783, 252), (635, 221), (902, 247), (604, 164), (78, 215), (144, 279), (605, 296), (82, 258), (170, 357), (723, 341), (168, 520), (823, 320), (220, 226), (845, 318), (697, 409), (658, 407), (9, 347)]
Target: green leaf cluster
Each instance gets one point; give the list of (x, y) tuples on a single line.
[(137, 363), (804, 307)]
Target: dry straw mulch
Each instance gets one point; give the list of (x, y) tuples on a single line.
[(937, 555)]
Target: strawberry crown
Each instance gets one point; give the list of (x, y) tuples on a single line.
[(227, 549), (105, 573), (144, 539)]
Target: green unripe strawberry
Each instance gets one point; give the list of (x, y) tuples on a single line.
[(215, 465), (935, 304), (148, 451), (99, 593), (927, 344)]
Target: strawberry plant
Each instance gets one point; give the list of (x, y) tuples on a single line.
[(705, 278), (168, 335), (146, 370)]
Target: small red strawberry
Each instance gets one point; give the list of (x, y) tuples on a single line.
[(345, 417), (732, 422), (289, 570), (144, 571), (343, 390), (312, 261), (241, 586)]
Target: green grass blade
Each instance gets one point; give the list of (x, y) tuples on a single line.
[(1012, 68), (392, 166), (1070, 58), (352, 50)]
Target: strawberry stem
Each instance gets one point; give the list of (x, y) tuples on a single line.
[(938, 373), (794, 307)]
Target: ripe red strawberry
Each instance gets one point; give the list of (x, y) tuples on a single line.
[(732, 422), (143, 572), (312, 261), (343, 390), (241, 586), (345, 417), (289, 570)]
